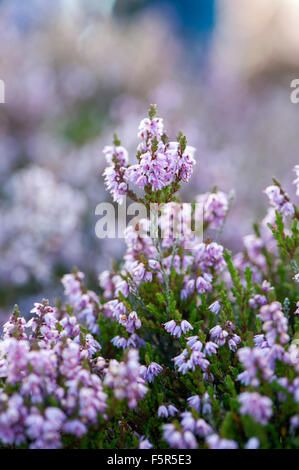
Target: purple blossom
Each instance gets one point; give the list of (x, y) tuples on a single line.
[(194, 402), (257, 301), (279, 200), (172, 410), (152, 371), (252, 443), (215, 442), (125, 379), (215, 207), (114, 182), (210, 348), (163, 411), (275, 323), (117, 153), (215, 307), (179, 439), (218, 335), (204, 283), (144, 443), (176, 330), (256, 405)]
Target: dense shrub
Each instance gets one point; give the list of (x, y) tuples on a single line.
[(186, 346)]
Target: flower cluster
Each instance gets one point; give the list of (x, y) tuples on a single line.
[(183, 346), (161, 163), (126, 380), (215, 208), (279, 200), (50, 388)]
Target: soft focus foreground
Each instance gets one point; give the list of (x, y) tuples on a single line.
[(74, 75), (183, 348)]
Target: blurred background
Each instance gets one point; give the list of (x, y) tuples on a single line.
[(75, 71)]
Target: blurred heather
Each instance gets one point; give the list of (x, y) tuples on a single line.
[(76, 70)]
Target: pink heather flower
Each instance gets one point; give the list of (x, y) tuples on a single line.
[(294, 422), (172, 410), (215, 207), (188, 422), (125, 379), (194, 402), (153, 171), (170, 327), (131, 322), (189, 288), (186, 163), (114, 309), (296, 277), (215, 442), (134, 340), (115, 184), (252, 443), (278, 200), (202, 428), (85, 304), (15, 327), (119, 342), (254, 246), (218, 335), (185, 326), (153, 264), (189, 440), (150, 127), (206, 404), (179, 439), (232, 345), (210, 256), (256, 405), (210, 348), (215, 307), (181, 361), (194, 343), (260, 341), (121, 286), (254, 360), (257, 301), (275, 323), (230, 325), (153, 370), (198, 359), (194, 425), (266, 286), (177, 330), (144, 443), (203, 283), (275, 196), (163, 411), (138, 271), (117, 152), (75, 427)]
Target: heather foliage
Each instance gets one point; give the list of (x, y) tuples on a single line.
[(184, 345)]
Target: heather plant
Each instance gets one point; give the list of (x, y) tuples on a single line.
[(184, 346)]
